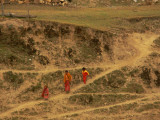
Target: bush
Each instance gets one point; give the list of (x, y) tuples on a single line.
[(13, 78), (52, 77), (157, 42), (36, 87), (145, 75), (43, 60), (157, 82), (116, 79), (99, 100), (147, 107), (134, 87)]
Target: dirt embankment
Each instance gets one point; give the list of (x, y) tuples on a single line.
[(42, 43)]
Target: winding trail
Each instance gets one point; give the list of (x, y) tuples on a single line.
[(141, 42)]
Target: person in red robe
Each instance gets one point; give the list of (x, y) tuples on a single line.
[(45, 93), (85, 73), (67, 80)]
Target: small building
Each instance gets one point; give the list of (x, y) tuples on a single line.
[(59, 2), (5, 1), (36, 1)]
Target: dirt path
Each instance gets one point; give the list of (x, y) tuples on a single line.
[(132, 113), (107, 94), (105, 107), (142, 42), (52, 69)]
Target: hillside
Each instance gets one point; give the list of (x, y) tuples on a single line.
[(123, 64)]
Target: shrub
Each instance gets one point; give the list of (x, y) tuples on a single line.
[(13, 78), (145, 75), (157, 82), (99, 100), (147, 107), (157, 42), (134, 87), (116, 79), (52, 77), (43, 60), (36, 87)]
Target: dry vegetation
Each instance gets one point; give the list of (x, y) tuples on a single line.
[(124, 66)]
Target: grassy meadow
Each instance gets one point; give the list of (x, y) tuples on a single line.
[(99, 18)]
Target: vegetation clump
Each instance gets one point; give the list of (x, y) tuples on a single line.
[(116, 79), (157, 42), (147, 107), (157, 81), (35, 88), (13, 78), (94, 100), (134, 88), (145, 75), (43, 60)]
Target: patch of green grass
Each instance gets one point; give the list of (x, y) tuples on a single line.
[(87, 53), (119, 109), (99, 100), (73, 115), (2, 84), (52, 77), (133, 72), (157, 42), (99, 85), (145, 75), (27, 111), (157, 102), (31, 75), (13, 78), (157, 81), (99, 18), (147, 107), (125, 69), (14, 52), (77, 74), (113, 82), (15, 118), (154, 54), (134, 88), (35, 88), (116, 79)]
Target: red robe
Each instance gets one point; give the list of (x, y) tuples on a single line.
[(67, 80), (67, 86), (85, 73), (45, 93)]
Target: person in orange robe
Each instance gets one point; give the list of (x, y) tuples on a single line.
[(45, 93), (85, 73), (67, 80)]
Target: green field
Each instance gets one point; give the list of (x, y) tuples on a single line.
[(99, 18)]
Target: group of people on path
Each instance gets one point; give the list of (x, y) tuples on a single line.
[(67, 82)]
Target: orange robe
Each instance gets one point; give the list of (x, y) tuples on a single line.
[(85, 74), (67, 80)]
